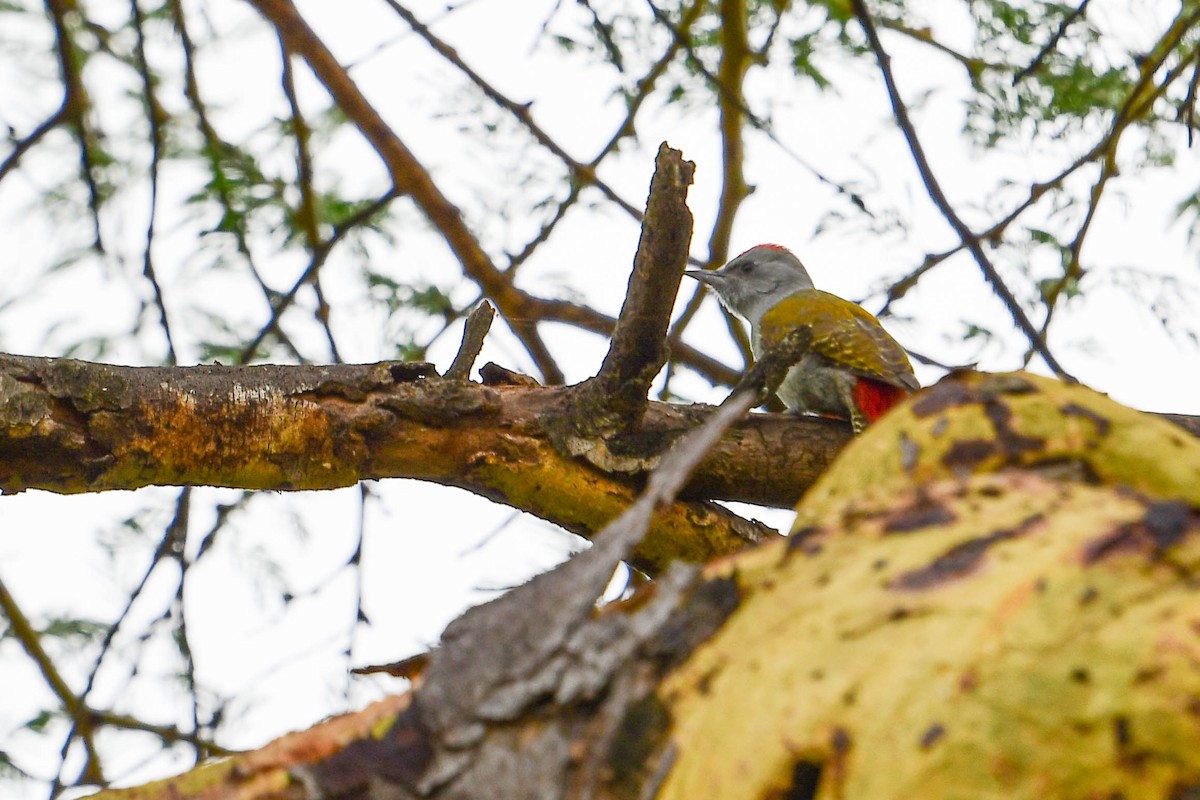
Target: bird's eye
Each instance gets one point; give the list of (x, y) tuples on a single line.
[(747, 267)]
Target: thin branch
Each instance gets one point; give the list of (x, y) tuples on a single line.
[(155, 116), (170, 547), (758, 122), (973, 66), (21, 629), (731, 76), (233, 220), (934, 189), (1050, 45), (582, 175), (646, 83), (81, 716), (1148, 67), (1136, 106), (604, 33), (543, 234), (169, 734), (1187, 110), (322, 314), (27, 143), (603, 325), (411, 177), (306, 214), (624, 130), (177, 532), (354, 564), (317, 260), (75, 108)]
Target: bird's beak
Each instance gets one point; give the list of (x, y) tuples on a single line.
[(711, 277)]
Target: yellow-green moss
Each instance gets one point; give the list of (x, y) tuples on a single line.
[(979, 422), (1009, 650)]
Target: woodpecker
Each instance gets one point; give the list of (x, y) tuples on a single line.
[(853, 369)]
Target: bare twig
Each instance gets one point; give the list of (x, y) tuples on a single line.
[(154, 116), (1048, 48), (317, 260), (933, 187), (170, 547), (81, 716), (581, 174), (411, 177), (1134, 105), (758, 122), (731, 77), (475, 331), (75, 106), (1187, 109), (973, 66), (307, 215), (28, 142), (615, 399), (169, 734), (215, 152), (1137, 104), (646, 84)]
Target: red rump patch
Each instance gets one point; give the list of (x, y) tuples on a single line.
[(874, 398)]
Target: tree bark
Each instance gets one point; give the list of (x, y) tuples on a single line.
[(1001, 607), (70, 426)]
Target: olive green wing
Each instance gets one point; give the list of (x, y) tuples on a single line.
[(844, 333)]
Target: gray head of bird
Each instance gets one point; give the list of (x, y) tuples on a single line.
[(753, 282)]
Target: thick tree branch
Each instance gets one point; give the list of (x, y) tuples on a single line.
[(950, 569), (71, 426), (74, 426)]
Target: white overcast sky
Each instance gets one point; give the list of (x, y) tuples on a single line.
[(431, 550)]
